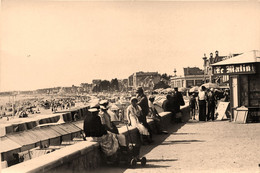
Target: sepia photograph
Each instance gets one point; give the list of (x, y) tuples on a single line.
[(130, 86)]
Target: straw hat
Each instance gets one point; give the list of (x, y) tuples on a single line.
[(93, 110)]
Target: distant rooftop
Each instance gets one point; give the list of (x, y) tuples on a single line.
[(146, 73), (192, 71)]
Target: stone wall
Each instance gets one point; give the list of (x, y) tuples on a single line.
[(81, 156)]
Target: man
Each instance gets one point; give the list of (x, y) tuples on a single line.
[(92, 124), (211, 104), (167, 106), (202, 103), (179, 99), (96, 130), (143, 103)]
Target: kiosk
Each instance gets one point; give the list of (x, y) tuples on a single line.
[(244, 82)]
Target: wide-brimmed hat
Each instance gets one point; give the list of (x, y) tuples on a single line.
[(94, 105)]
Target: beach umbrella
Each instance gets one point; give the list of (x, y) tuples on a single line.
[(194, 89), (182, 89), (210, 85)]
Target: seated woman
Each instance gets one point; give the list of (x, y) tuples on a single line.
[(133, 112), (94, 128), (105, 117)]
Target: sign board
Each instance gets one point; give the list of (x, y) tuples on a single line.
[(221, 110), (234, 69), (241, 115)]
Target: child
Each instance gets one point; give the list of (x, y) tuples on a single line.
[(193, 106)]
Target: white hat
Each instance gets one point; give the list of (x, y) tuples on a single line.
[(94, 105), (93, 110)]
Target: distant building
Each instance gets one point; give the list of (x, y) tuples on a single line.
[(144, 79), (193, 76)]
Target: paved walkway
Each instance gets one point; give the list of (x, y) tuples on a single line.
[(219, 146)]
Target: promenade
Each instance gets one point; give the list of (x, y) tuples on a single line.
[(219, 146)]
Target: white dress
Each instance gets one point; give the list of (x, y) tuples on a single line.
[(132, 114)]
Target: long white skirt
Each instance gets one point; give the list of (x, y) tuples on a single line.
[(135, 123)]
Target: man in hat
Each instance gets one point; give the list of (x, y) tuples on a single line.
[(108, 141), (143, 103), (179, 98), (92, 124), (105, 117)]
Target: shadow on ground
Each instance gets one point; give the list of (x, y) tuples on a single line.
[(180, 142), (172, 129)]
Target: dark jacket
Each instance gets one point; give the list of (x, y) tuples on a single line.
[(143, 103), (93, 127), (167, 107)]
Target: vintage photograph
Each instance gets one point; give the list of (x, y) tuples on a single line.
[(129, 86)]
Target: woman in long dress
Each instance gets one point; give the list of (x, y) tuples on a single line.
[(133, 112)]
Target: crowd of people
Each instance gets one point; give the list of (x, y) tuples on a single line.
[(174, 100), (23, 108), (206, 102), (99, 127)]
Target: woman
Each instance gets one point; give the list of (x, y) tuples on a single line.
[(133, 112), (105, 117)]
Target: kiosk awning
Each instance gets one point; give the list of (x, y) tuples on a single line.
[(247, 57), (241, 64)]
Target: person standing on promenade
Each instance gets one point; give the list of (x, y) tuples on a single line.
[(211, 104), (143, 103), (202, 103), (193, 106)]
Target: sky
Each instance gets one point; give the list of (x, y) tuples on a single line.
[(64, 43)]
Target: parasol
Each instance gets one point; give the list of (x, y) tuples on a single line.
[(210, 85)]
